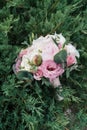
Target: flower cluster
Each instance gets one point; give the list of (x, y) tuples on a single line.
[(47, 57)]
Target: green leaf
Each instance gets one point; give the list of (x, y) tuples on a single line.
[(24, 75), (67, 72), (60, 57)]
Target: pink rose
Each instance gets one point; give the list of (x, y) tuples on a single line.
[(71, 60), (51, 70), (38, 75)]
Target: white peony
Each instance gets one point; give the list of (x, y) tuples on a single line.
[(58, 37), (72, 50)]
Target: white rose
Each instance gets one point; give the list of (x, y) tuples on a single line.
[(27, 60), (25, 63), (72, 50)]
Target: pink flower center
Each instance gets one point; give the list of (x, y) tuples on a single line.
[(50, 68)]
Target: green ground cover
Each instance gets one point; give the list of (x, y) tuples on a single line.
[(31, 105)]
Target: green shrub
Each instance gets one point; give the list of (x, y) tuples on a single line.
[(31, 105)]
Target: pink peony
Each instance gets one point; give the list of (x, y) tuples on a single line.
[(49, 50), (16, 66), (51, 70), (38, 75), (71, 60), (23, 52)]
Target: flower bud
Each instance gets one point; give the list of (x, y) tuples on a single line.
[(37, 60)]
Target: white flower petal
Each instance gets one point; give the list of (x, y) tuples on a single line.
[(72, 50)]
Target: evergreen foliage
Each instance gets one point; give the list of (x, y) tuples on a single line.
[(28, 104)]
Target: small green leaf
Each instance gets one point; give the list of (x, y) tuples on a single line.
[(60, 57), (24, 75)]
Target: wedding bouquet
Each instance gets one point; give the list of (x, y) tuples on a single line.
[(47, 57)]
